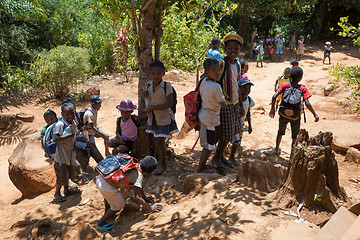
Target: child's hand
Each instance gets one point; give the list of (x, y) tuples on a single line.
[(149, 198), (272, 113), (156, 207), (316, 117), (146, 94), (149, 109)]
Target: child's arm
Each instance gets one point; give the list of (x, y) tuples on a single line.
[(273, 100), (60, 138), (248, 118), (309, 106), (275, 86), (223, 105), (141, 198), (168, 104), (98, 131)]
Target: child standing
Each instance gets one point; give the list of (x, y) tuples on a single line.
[(248, 102), (209, 115), (287, 114), (161, 122), (280, 42), (64, 137), (50, 118), (213, 52), (244, 68), (328, 49), (300, 48), (126, 128), (260, 54), (280, 80)]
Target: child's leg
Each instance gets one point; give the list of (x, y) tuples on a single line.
[(120, 149), (236, 145), (219, 154), (114, 202), (295, 128), (161, 151), (282, 128), (94, 151), (261, 63), (204, 156), (80, 170), (60, 180), (208, 143)]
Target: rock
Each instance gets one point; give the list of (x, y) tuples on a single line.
[(90, 92), (338, 147), (294, 231), (25, 117), (171, 77), (7, 121), (175, 216), (337, 226), (83, 231), (195, 181), (355, 209), (353, 155), (219, 184), (29, 170), (353, 232), (328, 89), (185, 128)]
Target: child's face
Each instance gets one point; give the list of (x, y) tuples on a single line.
[(68, 113), (125, 115), (245, 90), (246, 68), (156, 75), (214, 72), (232, 50), (286, 74), (97, 106), (217, 45), (50, 119)]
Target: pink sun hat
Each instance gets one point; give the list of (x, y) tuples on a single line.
[(126, 105)]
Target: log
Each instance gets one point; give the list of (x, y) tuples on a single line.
[(312, 176)]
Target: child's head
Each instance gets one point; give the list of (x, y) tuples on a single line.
[(148, 164), (245, 87), (212, 69), (215, 43), (268, 36), (50, 117), (302, 38), (126, 107), (96, 102), (294, 63), (157, 71), (233, 44), (68, 111), (287, 72), (241, 55), (296, 74), (328, 44), (261, 43), (244, 66), (281, 35)]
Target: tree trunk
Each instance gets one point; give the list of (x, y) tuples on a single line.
[(312, 176), (145, 52), (158, 33), (320, 16)]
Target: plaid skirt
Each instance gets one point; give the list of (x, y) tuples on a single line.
[(230, 123)]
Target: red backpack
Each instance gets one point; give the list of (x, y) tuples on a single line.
[(114, 168), (192, 102)]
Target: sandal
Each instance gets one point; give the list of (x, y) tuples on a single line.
[(106, 227), (59, 199), (72, 192), (276, 153)]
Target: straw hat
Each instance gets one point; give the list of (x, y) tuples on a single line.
[(234, 37)]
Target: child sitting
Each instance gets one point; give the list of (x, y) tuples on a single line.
[(260, 54), (287, 115), (64, 137), (248, 102), (280, 80), (162, 121), (327, 51), (213, 52), (209, 115), (126, 128), (114, 199)]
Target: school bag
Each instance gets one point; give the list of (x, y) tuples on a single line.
[(192, 102), (174, 97), (47, 141), (290, 103), (80, 117), (114, 168)]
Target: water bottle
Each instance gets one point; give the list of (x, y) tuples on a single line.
[(147, 100), (67, 130)]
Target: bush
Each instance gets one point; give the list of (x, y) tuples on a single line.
[(61, 68)]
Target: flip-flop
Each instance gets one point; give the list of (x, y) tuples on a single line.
[(59, 199), (276, 153), (106, 227)]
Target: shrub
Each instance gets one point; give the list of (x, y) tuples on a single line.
[(61, 68)]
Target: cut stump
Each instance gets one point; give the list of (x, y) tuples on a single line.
[(312, 176)]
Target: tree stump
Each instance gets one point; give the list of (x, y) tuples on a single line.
[(312, 176), (141, 144)]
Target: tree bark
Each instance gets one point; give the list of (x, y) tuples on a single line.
[(312, 176), (158, 33), (320, 16)]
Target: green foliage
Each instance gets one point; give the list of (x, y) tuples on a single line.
[(15, 78), (61, 68), (347, 76), (349, 30)]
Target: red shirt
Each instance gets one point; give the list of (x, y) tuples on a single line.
[(304, 91)]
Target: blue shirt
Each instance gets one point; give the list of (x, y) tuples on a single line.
[(213, 53)]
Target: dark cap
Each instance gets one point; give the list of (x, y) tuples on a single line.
[(244, 81), (96, 99)]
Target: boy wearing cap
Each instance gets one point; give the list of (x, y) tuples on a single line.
[(328, 49), (126, 128), (230, 116), (244, 89), (90, 118)]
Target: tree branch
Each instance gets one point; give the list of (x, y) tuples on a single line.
[(146, 5)]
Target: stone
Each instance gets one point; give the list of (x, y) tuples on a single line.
[(175, 216), (355, 209), (29, 170), (353, 232), (338, 147), (294, 231), (195, 181), (328, 89), (353, 155), (220, 184), (90, 92), (337, 226), (171, 77), (25, 117)]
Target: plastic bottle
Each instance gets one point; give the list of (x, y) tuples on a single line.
[(67, 130), (147, 100)]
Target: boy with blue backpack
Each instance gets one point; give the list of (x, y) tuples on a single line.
[(290, 108)]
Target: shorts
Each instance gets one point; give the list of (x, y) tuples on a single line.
[(111, 194), (279, 97), (208, 137), (115, 142), (326, 56), (230, 123), (63, 173), (260, 57), (295, 126), (279, 50)]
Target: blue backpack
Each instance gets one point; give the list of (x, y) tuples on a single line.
[(47, 141)]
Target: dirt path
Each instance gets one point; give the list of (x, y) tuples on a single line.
[(246, 211)]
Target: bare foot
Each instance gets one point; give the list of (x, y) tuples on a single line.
[(218, 163), (159, 170)]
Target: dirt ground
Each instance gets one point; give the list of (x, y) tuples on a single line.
[(236, 212)]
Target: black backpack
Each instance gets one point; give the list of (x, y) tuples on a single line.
[(80, 117), (174, 96), (290, 103)]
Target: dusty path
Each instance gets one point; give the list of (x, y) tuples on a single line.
[(248, 210)]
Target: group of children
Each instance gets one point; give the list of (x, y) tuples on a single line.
[(224, 90)]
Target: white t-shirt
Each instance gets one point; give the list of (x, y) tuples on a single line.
[(260, 49), (248, 103), (90, 116)]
